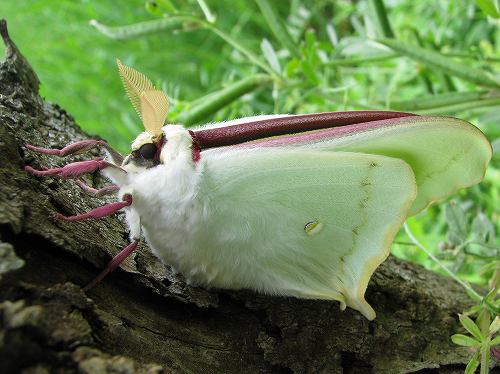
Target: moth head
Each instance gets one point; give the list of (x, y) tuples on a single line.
[(145, 152), (151, 105)]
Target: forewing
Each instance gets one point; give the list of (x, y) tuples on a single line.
[(445, 153), (309, 223)]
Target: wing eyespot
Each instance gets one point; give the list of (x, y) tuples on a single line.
[(313, 227)]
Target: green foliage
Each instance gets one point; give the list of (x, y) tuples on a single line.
[(489, 7), (481, 341), (232, 58), (445, 64)]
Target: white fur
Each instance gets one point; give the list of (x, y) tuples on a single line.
[(239, 121), (142, 138)]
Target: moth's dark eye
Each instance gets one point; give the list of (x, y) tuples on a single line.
[(148, 151)]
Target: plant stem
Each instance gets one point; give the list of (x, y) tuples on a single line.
[(144, 28), (441, 100), (390, 56), (211, 103), (206, 11), (245, 51), (362, 60), (436, 260), (484, 318), (461, 107), (437, 61), (382, 21)]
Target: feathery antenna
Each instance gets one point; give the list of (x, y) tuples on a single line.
[(150, 104)]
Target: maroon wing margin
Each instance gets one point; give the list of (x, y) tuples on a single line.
[(244, 132)]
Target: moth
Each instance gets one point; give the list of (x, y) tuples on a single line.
[(296, 205)]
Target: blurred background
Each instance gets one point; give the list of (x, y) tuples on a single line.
[(220, 60)]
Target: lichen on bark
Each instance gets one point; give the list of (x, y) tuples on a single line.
[(144, 318)]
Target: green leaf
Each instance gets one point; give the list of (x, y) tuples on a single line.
[(270, 55), (332, 35), (474, 309), (464, 340), (167, 6), (495, 325), (457, 223), (309, 71), (436, 60), (217, 100), (278, 27), (470, 326), (145, 28), (362, 59), (489, 7), (152, 8), (240, 47), (495, 341), (310, 60), (483, 229), (473, 364)]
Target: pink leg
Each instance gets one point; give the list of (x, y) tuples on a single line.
[(76, 169), (79, 147), (107, 190), (102, 211), (113, 264), (72, 170), (75, 148)]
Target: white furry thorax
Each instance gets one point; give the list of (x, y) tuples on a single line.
[(165, 205)]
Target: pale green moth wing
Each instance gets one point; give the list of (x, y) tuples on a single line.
[(445, 153), (305, 223)]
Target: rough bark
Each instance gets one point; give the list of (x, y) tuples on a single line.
[(143, 317)]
